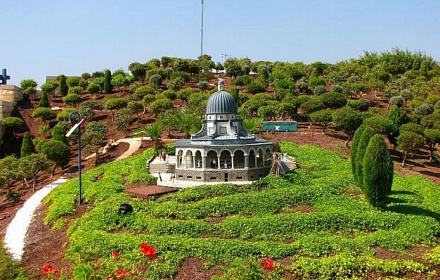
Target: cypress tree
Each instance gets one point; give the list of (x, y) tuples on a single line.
[(27, 146), (353, 148), (366, 135), (63, 85), (44, 101), (59, 133), (377, 171), (108, 81)]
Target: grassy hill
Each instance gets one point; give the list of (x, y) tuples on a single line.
[(312, 224)]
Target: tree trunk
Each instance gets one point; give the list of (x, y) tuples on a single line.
[(34, 182), (53, 169), (404, 159)]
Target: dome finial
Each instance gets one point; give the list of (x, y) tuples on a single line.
[(221, 84)]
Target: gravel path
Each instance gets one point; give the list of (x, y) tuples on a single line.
[(16, 230)]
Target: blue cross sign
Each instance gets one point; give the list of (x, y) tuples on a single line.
[(4, 77)]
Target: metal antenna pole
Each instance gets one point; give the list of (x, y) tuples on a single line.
[(201, 33)]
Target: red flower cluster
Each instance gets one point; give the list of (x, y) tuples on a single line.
[(116, 255), (268, 264), (148, 250), (122, 272), (49, 270)]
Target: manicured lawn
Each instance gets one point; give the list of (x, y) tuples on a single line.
[(312, 223)]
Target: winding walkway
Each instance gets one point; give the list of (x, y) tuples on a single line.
[(17, 229)]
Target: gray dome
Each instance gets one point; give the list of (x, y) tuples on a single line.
[(221, 102)]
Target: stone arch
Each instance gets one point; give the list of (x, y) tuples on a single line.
[(187, 161), (212, 159), (260, 157), (198, 159), (179, 158), (268, 157), (239, 159), (252, 158), (225, 159)]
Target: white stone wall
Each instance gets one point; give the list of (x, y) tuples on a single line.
[(9, 96)]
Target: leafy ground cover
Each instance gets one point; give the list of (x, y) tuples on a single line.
[(311, 224)]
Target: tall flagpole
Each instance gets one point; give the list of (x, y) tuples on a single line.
[(201, 33)]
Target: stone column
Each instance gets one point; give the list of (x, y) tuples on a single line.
[(194, 161), (232, 161), (246, 161), (218, 162), (204, 162)]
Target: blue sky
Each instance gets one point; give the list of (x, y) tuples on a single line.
[(49, 37)]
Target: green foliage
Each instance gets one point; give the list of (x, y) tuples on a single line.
[(57, 152), (44, 101), (313, 105), (13, 123), (64, 114), (63, 88), (59, 133), (161, 105), (43, 114), (322, 117), (377, 168), (255, 88), (347, 120), (72, 99), (364, 141), (361, 104), (93, 88), (123, 120), (108, 87), (333, 100), (10, 269), (27, 146), (310, 216)]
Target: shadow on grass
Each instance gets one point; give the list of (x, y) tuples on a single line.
[(412, 210)]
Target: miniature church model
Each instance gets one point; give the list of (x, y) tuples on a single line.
[(222, 150)]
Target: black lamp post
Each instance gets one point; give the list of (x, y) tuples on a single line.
[(77, 126)]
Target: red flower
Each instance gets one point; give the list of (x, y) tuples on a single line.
[(122, 272), (148, 250), (116, 255), (49, 270), (268, 264)]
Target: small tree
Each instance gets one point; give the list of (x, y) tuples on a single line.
[(63, 85), (27, 146), (93, 88), (323, 118), (432, 137), (333, 100), (123, 120), (348, 121), (95, 134), (161, 105), (10, 172), (43, 114), (13, 123), (49, 87), (44, 101), (56, 151), (59, 133), (108, 87), (113, 104), (72, 99), (366, 135), (409, 142), (377, 171), (353, 149), (32, 165), (154, 130)]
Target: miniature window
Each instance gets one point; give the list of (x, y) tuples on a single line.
[(223, 130)]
